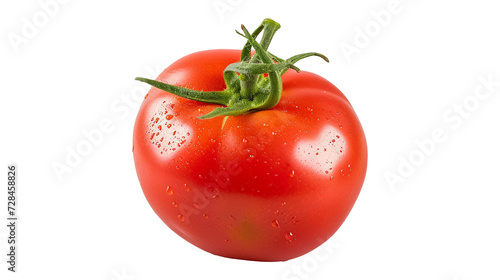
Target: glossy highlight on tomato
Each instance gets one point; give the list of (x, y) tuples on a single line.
[(265, 185)]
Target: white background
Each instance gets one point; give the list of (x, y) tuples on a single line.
[(75, 68)]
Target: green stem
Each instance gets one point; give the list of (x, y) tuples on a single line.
[(249, 86), (247, 89), (270, 28), (246, 52), (276, 86)]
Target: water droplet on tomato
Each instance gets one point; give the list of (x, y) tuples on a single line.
[(187, 187), (169, 117), (169, 125), (205, 216), (292, 173), (181, 218), (169, 190), (289, 237), (174, 204), (213, 190), (275, 224), (196, 205), (159, 127)]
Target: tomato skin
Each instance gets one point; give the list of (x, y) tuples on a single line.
[(268, 186)]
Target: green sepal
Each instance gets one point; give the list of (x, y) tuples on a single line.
[(247, 89), (216, 97)]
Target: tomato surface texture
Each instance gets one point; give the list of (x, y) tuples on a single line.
[(245, 156), (270, 185)]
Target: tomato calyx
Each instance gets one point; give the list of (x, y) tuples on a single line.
[(247, 88)]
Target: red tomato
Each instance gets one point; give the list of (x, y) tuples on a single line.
[(269, 186)]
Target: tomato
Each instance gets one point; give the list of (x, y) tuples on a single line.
[(269, 185)]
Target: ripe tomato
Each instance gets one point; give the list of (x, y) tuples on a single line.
[(270, 185)]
